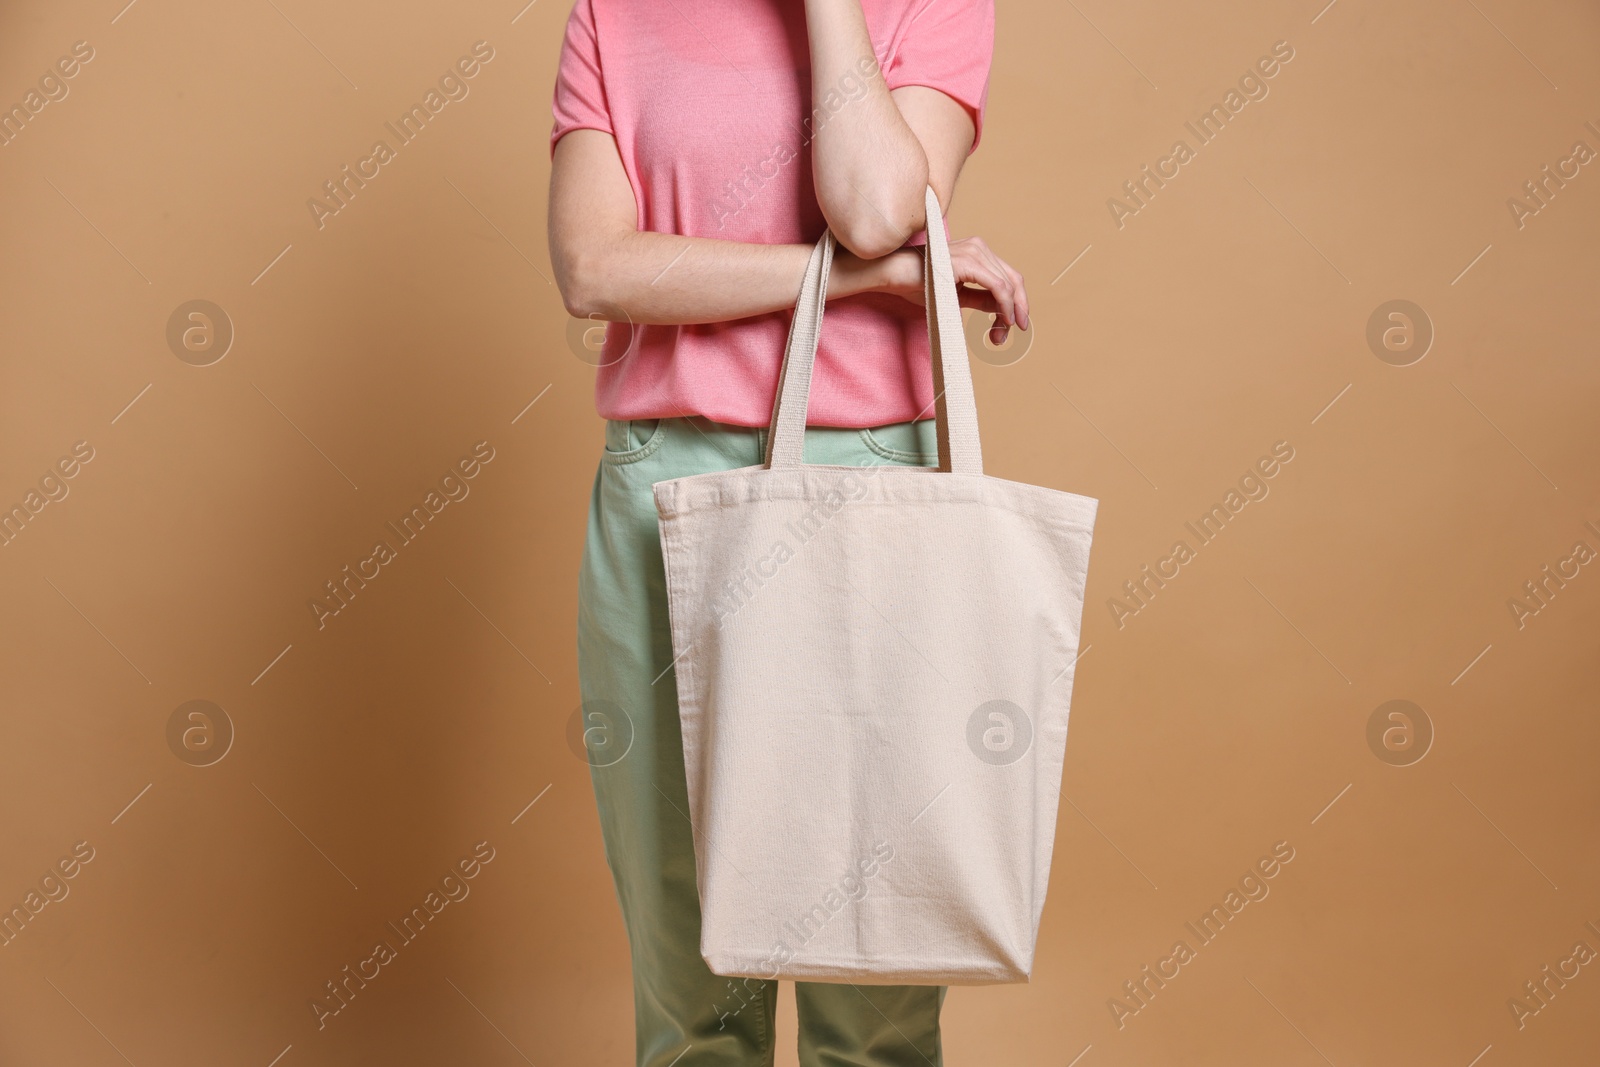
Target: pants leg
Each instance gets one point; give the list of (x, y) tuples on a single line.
[(684, 1014), (635, 751), (869, 1025)]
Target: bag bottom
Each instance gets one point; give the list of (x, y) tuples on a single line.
[(867, 972)]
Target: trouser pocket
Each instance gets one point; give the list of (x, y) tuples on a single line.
[(630, 440)]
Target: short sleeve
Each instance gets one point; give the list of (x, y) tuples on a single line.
[(948, 45), (580, 97)]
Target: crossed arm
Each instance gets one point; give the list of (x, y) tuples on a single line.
[(871, 161)]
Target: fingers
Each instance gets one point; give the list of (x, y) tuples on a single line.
[(1017, 290), (977, 264), (1021, 297), (979, 299), (982, 300), (1004, 294)]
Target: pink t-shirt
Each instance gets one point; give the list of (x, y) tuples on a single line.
[(710, 105)]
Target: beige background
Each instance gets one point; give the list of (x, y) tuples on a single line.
[(369, 355)]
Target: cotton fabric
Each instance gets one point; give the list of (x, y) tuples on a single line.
[(710, 105), (634, 745), (874, 675)]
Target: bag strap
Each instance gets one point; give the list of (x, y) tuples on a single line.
[(955, 407)]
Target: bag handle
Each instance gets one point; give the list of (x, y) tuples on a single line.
[(955, 407)]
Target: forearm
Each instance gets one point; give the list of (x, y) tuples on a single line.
[(868, 166), (646, 277)]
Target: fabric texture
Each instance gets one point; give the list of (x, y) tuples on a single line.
[(710, 105), (874, 674), (685, 1015)]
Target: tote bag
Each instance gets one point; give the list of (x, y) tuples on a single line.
[(874, 667)]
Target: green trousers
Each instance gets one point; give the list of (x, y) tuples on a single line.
[(684, 1015)]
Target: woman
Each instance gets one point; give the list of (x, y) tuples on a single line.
[(700, 148)]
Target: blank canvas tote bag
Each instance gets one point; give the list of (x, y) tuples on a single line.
[(874, 666)]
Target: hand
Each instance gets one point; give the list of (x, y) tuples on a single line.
[(1002, 292)]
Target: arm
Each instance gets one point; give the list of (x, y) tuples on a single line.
[(868, 165), (945, 131), (605, 267), (875, 150)]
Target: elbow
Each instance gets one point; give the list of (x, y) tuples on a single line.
[(580, 303), (581, 282), (877, 223), (872, 238)]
